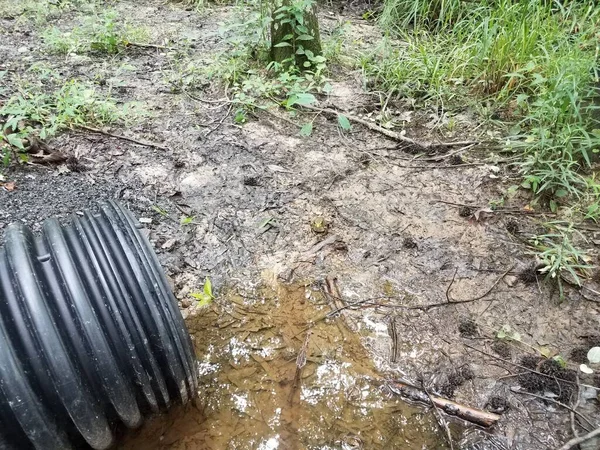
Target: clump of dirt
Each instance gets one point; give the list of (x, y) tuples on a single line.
[(465, 211), (455, 380), (251, 181), (592, 341), (502, 348), (497, 404), (409, 243), (579, 355), (529, 274), (468, 328), (512, 226), (456, 160), (557, 380)]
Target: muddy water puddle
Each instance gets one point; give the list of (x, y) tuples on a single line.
[(276, 374)]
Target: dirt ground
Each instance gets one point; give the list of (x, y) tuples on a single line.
[(395, 233)]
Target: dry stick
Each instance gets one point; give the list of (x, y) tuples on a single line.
[(441, 419), (451, 300), (160, 47), (389, 133), (576, 441), (449, 166), (440, 157), (528, 369), (222, 102), (472, 415), (124, 138), (575, 406), (216, 127), (556, 402), (499, 210)]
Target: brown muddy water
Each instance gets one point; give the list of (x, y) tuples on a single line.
[(252, 394)]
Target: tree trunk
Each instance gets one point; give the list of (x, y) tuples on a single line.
[(297, 50)]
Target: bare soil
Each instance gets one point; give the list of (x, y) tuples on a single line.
[(391, 237)]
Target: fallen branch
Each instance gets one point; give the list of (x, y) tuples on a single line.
[(530, 370), (576, 441), (475, 416), (123, 138), (556, 402), (389, 133), (159, 47), (216, 127), (479, 297)]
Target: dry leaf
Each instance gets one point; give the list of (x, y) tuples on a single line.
[(477, 213), (10, 186)]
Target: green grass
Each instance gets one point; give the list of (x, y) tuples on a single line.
[(105, 33), (50, 105), (534, 61)]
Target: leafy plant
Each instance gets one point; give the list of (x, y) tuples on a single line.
[(560, 258), (38, 111), (104, 34), (535, 61), (205, 297)]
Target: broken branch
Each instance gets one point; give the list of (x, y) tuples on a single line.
[(475, 416), (576, 441), (123, 138), (389, 133)]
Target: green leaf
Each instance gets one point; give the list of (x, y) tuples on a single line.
[(306, 64), (203, 299), (303, 98), (287, 37), (208, 287), (282, 44), (305, 37), (15, 141), (306, 129), (561, 193), (186, 220), (561, 361), (553, 206), (344, 122)]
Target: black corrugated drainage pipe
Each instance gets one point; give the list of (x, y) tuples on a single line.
[(91, 338)]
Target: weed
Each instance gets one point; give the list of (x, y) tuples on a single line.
[(103, 34), (37, 11), (37, 111), (535, 60), (243, 65), (205, 297), (560, 259)]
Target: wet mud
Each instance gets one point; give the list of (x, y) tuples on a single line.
[(256, 395)]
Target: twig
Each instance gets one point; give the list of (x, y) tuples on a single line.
[(216, 127), (414, 393), (440, 418), (389, 133), (556, 402), (497, 210), (160, 47), (479, 297), (447, 166), (222, 102), (575, 406), (277, 116), (576, 441), (445, 156), (123, 138), (528, 369)]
